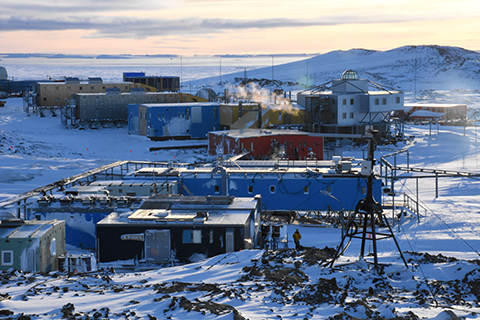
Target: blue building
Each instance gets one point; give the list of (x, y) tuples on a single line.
[(153, 83), (284, 185), (164, 121)]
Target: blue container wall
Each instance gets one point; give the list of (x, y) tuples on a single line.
[(80, 228), (287, 192), (183, 120), (133, 124)]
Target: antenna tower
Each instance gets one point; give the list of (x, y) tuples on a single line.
[(369, 213)]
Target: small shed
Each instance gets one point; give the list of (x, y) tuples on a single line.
[(32, 246), (167, 228), (266, 144)]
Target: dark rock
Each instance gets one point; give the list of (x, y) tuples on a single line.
[(5, 312)]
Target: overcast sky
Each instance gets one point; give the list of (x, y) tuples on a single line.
[(189, 27)]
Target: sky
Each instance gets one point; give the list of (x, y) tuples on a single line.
[(197, 27)]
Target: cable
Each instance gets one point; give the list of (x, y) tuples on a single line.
[(420, 267), (446, 224)]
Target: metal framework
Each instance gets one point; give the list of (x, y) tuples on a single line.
[(369, 213)]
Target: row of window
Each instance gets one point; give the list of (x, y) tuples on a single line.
[(376, 101), (344, 115), (344, 102), (384, 101), (273, 189)]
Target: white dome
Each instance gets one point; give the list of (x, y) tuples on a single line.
[(3, 73), (349, 75)]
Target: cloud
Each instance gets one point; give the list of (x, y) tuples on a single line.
[(50, 7), (113, 18), (132, 27)]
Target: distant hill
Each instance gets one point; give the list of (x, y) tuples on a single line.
[(407, 68)]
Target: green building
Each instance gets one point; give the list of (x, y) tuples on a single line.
[(32, 246)]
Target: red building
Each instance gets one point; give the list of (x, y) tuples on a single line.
[(434, 111), (266, 144)]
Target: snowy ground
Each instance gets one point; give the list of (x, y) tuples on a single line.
[(442, 247)]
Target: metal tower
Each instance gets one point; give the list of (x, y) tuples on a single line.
[(369, 213)]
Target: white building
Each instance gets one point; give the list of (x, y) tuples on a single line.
[(350, 105)]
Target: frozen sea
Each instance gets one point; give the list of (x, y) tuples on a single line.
[(112, 69)]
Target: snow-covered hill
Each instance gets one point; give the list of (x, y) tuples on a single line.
[(417, 70)]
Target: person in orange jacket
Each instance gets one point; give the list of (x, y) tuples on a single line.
[(296, 238)]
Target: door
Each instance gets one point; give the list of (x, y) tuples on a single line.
[(31, 267), (157, 246), (229, 240)]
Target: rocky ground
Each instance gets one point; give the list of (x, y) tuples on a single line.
[(283, 281)]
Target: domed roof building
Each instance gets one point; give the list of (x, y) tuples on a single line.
[(350, 105)]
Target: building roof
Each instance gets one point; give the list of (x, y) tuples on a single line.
[(434, 105), (206, 210), (30, 229), (426, 114), (253, 133)]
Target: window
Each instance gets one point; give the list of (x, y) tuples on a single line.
[(384, 101), (217, 189), (7, 258), (364, 190), (53, 247), (344, 115), (187, 113), (192, 236), (377, 101), (250, 189), (397, 99), (352, 101), (251, 146), (344, 102), (352, 115), (210, 238), (272, 189), (305, 189)]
